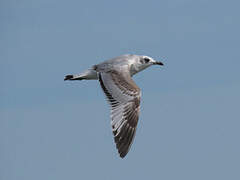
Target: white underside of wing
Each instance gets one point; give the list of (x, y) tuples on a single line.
[(116, 116), (124, 98)]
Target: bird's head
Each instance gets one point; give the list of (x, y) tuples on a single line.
[(143, 62)]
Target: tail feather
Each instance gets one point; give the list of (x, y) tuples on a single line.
[(88, 75), (72, 77)]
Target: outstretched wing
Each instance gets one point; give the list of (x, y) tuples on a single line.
[(124, 97)]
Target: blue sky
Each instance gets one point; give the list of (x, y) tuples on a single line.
[(189, 123)]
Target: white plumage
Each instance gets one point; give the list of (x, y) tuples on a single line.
[(122, 94)]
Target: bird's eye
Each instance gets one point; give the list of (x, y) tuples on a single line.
[(146, 60)]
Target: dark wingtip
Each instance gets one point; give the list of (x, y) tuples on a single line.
[(122, 155), (68, 77)]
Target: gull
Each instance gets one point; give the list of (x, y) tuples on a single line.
[(123, 95)]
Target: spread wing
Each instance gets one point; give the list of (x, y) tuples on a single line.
[(124, 97)]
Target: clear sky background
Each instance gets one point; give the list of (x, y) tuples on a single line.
[(190, 110)]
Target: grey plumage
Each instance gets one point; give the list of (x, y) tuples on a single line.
[(121, 92)]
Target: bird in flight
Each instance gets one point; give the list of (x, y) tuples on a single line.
[(123, 95)]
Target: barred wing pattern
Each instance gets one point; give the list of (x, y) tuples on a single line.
[(124, 97)]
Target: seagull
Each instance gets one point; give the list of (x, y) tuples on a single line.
[(123, 95)]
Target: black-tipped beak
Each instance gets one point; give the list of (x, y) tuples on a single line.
[(158, 63)]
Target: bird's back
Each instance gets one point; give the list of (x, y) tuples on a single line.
[(115, 63)]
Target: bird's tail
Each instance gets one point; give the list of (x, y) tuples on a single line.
[(88, 74), (72, 77)]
